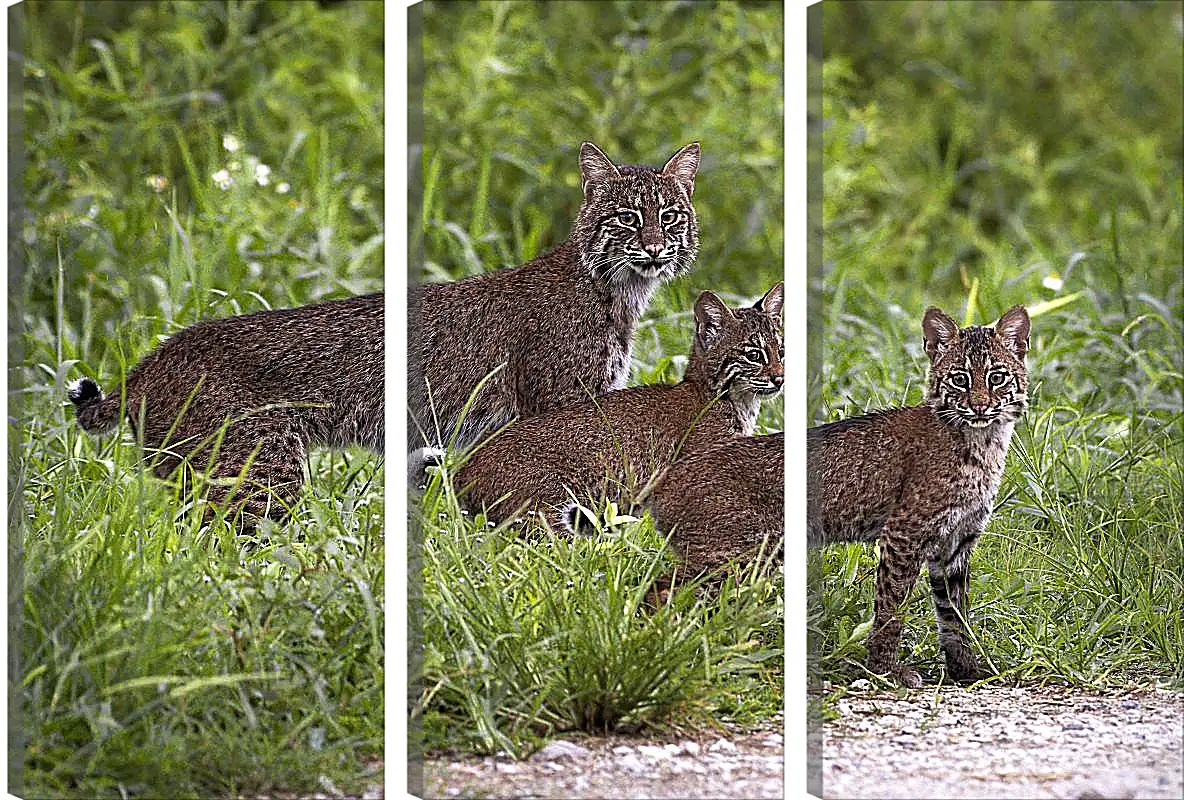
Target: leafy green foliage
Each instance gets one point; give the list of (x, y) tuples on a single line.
[(1005, 154), (185, 161)]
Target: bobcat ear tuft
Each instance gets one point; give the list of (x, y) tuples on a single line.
[(1013, 329), (940, 331), (773, 301), (595, 166), (683, 166), (711, 314)]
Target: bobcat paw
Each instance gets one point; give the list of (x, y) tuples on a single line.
[(905, 676), (965, 675)]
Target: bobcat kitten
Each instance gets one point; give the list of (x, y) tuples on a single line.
[(253, 393), (723, 504), (922, 480), (609, 447), (561, 325)]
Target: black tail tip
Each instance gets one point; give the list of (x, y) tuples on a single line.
[(84, 391)]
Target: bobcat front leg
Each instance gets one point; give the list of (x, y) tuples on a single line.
[(949, 578), (903, 539)]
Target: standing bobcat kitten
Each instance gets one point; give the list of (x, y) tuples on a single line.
[(609, 447), (246, 396), (723, 504), (922, 480), (560, 326)]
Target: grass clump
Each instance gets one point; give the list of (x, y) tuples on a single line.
[(185, 161), (528, 638), (965, 171)]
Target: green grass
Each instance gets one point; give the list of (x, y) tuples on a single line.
[(159, 657), (525, 639), (964, 167)]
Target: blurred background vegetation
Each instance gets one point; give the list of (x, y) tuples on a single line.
[(511, 89), (185, 161), (1004, 143), (126, 110), (979, 155)]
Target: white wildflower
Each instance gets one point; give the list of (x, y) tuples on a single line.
[(262, 174), (157, 183), (282, 187), (230, 142), (223, 180), (1052, 281)]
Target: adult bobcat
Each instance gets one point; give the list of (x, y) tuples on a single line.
[(922, 480), (561, 326), (608, 448), (243, 398)]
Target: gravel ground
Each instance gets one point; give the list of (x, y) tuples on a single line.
[(1026, 743), (989, 742), (740, 765)]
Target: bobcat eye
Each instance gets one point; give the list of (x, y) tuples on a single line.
[(669, 216), (996, 379), (754, 354), (627, 218), (959, 380)]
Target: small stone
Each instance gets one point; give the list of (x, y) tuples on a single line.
[(622, 749), (632, 763), (690, 748), (650, 751), (722, 746), (861, 685), (1129, 703), (561, 749)]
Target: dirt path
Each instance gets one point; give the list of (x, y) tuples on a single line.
[(747, 765), (1006, 743), (1025, 743)]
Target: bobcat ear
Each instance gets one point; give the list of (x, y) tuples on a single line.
[(773, 300), (683, 165), (1013, 328), (595, 166), (940, 331), (710, 316)]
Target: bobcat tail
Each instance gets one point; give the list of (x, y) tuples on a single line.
[(96, 412), (417, 466)]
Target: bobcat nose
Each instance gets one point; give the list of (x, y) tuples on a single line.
[(777, 378), (652, 242)]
